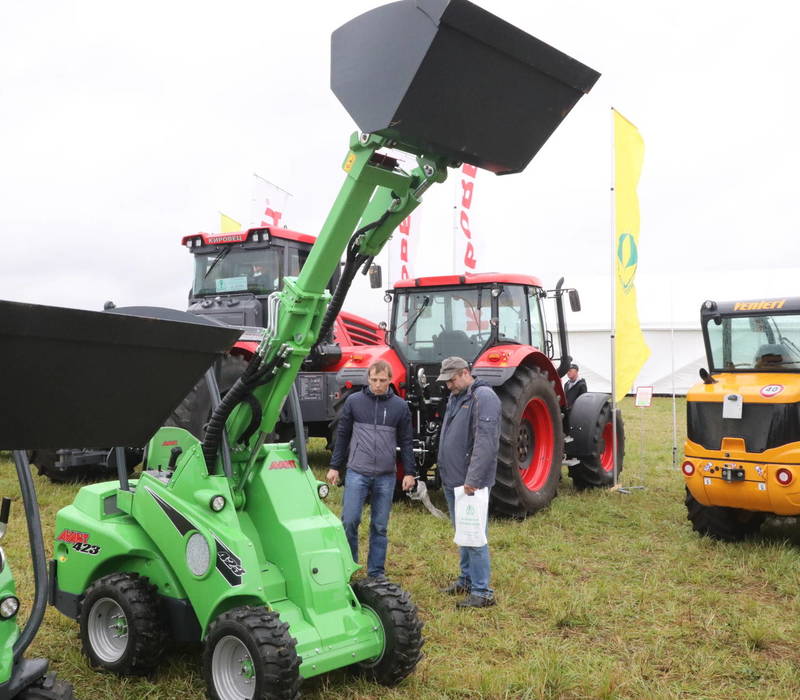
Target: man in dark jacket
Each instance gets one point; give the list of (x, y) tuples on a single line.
[(574, 386), (374, 422), (467, 457)]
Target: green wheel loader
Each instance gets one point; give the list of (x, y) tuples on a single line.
[(227, 541)]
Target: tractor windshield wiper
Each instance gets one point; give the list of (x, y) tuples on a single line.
[(219, 257), (426, 300)]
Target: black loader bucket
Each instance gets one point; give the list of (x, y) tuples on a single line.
[(450, 78), (73, 377)]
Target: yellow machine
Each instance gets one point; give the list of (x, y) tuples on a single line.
[(742, 452)]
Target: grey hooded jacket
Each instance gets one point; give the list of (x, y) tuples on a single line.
[(470, 437)]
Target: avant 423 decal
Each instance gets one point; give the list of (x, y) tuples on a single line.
[(79, 540)]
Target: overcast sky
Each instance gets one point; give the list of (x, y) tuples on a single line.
[(124, 126)]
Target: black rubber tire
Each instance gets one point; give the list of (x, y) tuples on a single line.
[(720, 523), (194, 412), (510, 496), (45, 462), (402, 630), (590, 472), (275, 664), (146, 635), (48, 688)]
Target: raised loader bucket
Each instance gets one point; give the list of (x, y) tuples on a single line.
[(75, 377), (453, 79)]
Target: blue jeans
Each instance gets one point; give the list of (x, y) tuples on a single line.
[(474, 561), (356, 489)]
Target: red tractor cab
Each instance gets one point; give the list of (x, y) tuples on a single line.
[(234, 276), (497, 323)]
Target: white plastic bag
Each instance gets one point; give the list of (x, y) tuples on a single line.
[(471, 514)]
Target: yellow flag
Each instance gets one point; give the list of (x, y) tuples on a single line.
[(631, 352), (228, 225)]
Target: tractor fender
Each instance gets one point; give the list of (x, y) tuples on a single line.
[(582, 419), (497, 364), (354, 371)]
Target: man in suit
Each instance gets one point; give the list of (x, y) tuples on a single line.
[(574, 386)]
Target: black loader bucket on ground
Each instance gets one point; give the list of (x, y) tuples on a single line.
[(451, 78), (73, 377)]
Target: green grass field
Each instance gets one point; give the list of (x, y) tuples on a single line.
[(603, 595)]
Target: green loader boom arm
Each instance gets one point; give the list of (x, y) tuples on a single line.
[(376, 194)]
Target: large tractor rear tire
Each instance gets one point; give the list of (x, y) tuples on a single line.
[(402, 631), (596, 469), (194, 412), (720, 523), (531, 445), (249, 653)]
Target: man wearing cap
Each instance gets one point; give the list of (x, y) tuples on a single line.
[(467, 457), (574, 386)]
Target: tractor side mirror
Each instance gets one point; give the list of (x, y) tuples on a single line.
[(375, 276), (574, 300)]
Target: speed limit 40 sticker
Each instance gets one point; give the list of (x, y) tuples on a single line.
[(771, 390)]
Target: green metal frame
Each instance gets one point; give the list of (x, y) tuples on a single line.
[(275, 542)]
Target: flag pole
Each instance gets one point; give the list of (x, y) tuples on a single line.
[(613, 307)]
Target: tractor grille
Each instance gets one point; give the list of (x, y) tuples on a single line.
[(762, 426)]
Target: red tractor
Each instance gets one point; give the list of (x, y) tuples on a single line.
[(234, 276), (497, 323)]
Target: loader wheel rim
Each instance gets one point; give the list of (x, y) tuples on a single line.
[(233, 670), (607, 455), (108, 630), (535, 444)]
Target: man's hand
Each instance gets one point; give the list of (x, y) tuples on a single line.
[(469, 490), (332, 477), (409, 482)]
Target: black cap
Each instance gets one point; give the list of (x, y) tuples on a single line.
[(574, 366)]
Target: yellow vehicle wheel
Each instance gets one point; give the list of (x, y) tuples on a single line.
[(719, 523)]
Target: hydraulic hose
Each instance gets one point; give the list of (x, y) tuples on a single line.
[(37, 554), (216, 426), (353, 261)]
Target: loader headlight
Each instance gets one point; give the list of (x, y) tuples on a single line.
[(217, 503), (9, 607), (323, 490), (198, 554)]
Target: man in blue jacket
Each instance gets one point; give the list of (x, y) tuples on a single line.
[(468, 445), (374, 422)]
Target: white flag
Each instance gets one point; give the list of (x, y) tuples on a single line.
[(403, 249), (269, 204), (466, 245)]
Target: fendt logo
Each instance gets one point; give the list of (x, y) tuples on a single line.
[(771, 390)]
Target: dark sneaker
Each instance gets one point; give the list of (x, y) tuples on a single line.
[(455, 588), (380, 578), (476, 601)]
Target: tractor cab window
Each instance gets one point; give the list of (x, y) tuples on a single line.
[(762, 343), (538, 339), (512, 315), (434, 324), (237, 269), (297, 258)]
